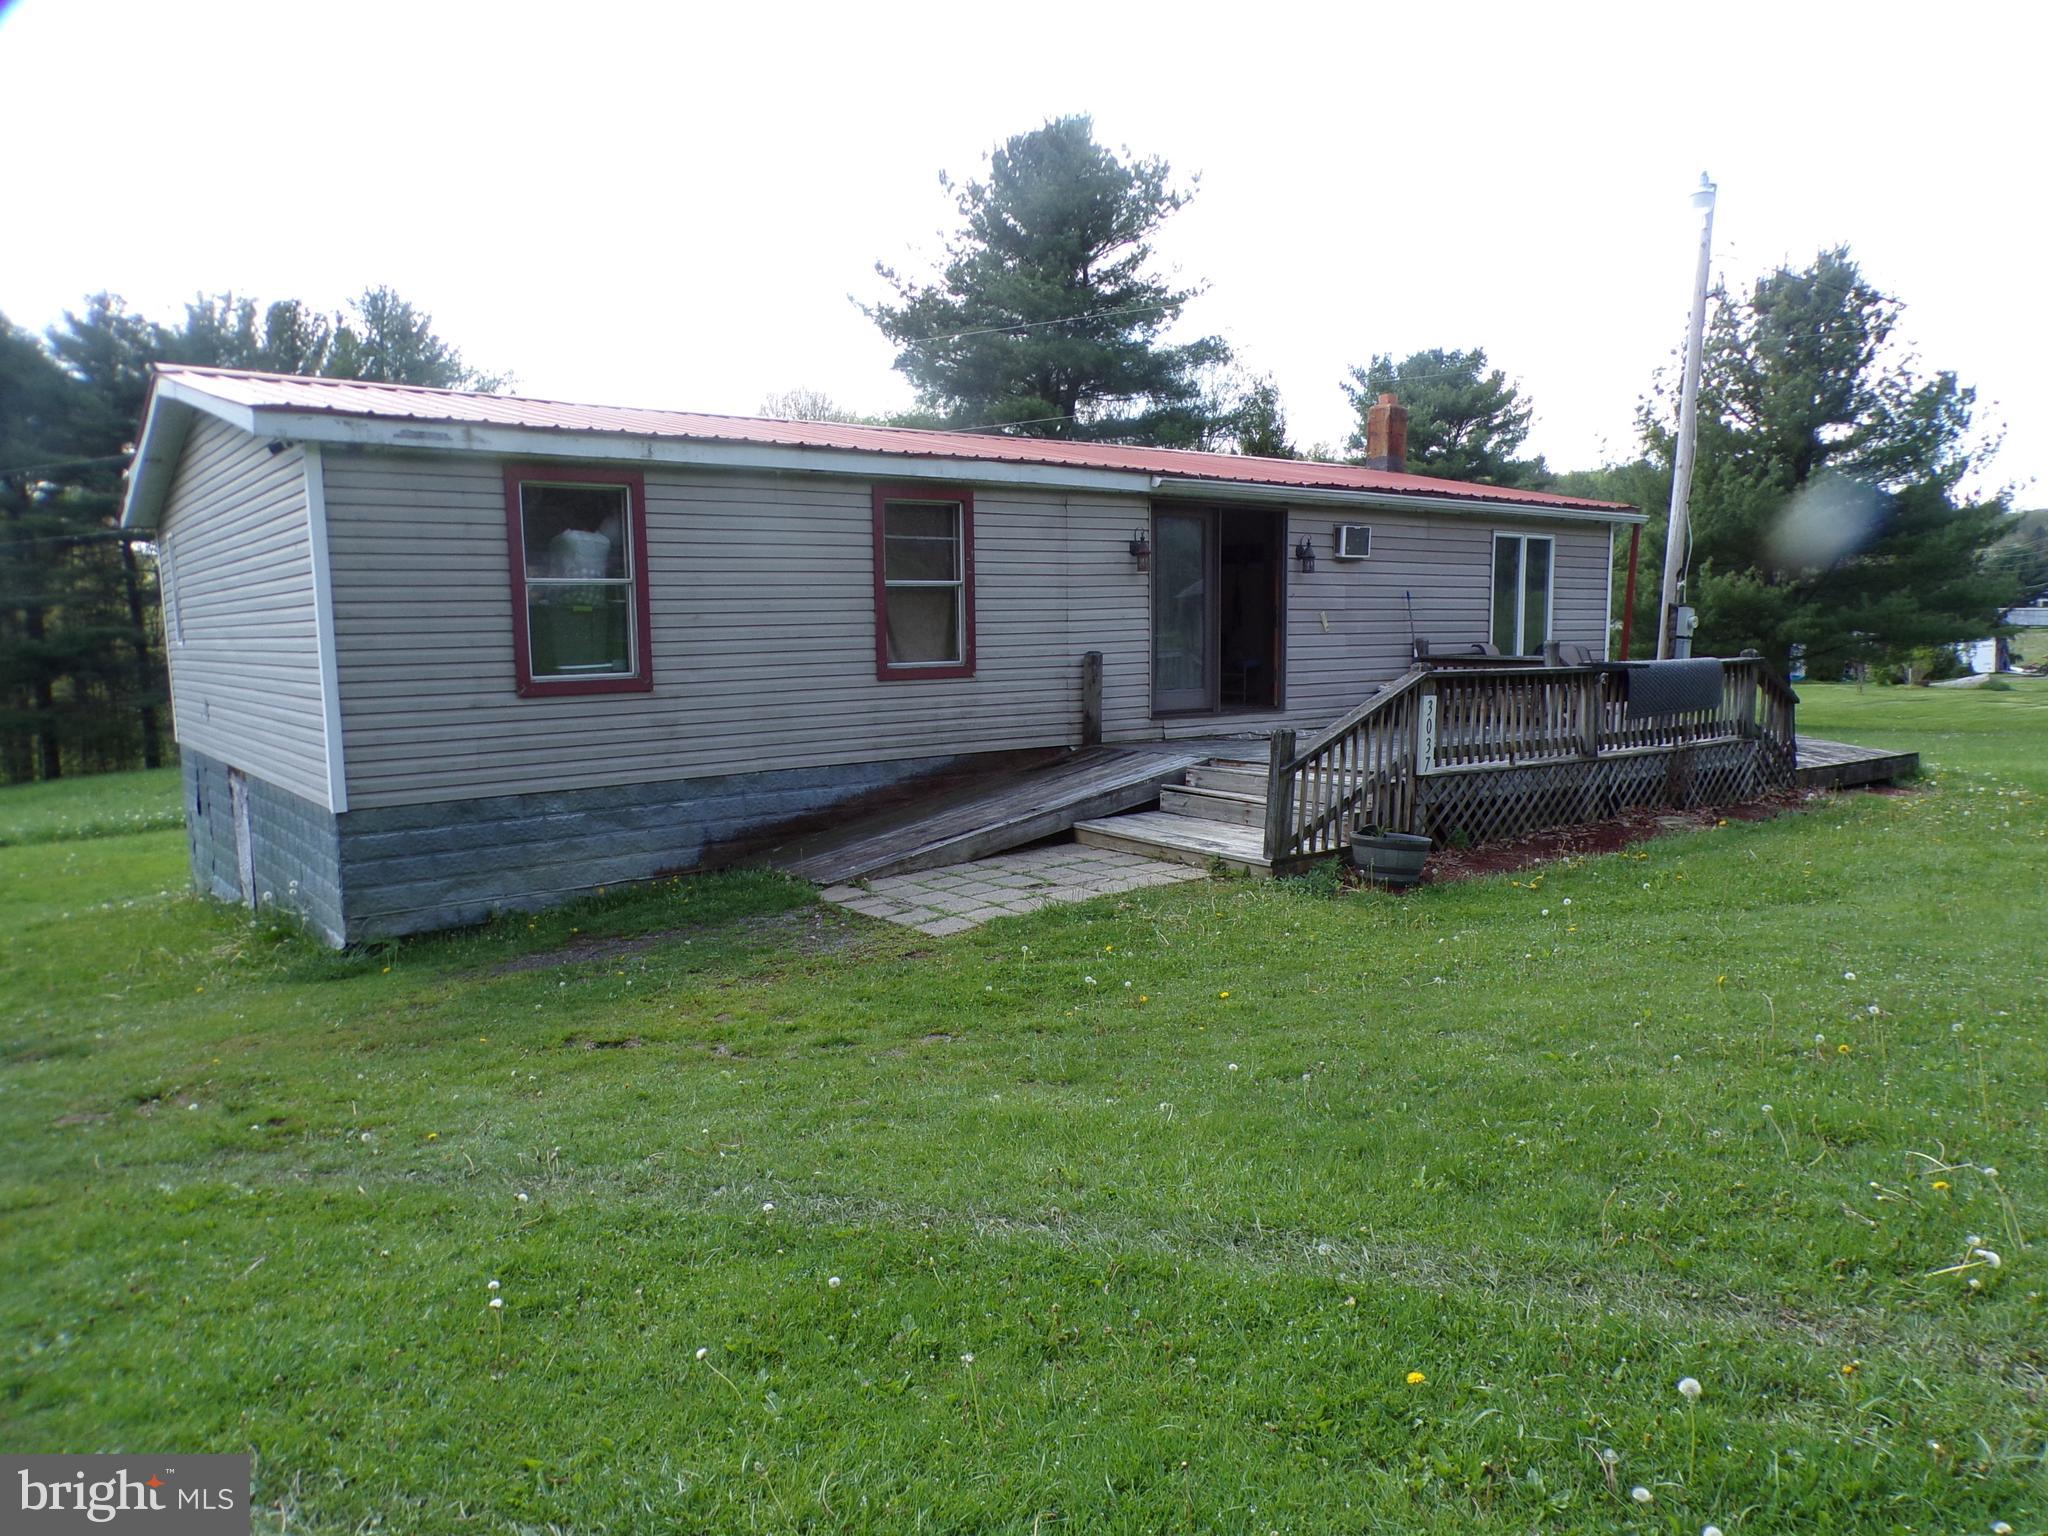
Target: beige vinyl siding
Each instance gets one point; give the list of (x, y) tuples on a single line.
[(763, 613), (242, 636)]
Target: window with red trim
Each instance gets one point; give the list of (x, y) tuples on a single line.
[(924, 582), (578, 542)]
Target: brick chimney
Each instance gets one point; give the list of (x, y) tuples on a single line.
[(1386, 436)]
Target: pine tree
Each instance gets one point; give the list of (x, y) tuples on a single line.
[(1046, 317), (1465, 421)]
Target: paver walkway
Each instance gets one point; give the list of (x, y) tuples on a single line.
[(963, 896)]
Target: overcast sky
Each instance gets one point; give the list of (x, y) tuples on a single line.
[(670, 204)]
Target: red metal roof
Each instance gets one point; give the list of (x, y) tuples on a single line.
[(348, 397)]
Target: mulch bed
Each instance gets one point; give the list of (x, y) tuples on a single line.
[(1609, 836)]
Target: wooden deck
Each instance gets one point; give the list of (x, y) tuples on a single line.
[(1004, 811), (1838, 765)]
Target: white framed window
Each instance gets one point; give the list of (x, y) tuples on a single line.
[(1524, 571)]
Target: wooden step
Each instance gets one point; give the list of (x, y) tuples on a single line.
[(1179, 840), (1215, 805), (1239, 779)]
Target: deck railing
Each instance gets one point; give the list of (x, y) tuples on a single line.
[(1383, 763)]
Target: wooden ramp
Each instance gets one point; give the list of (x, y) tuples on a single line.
[(1838, 765), (1003, 811)]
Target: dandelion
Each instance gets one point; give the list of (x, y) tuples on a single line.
[(1990, 1173), (833, 1282), (1987, 1256), (520, 1197), (768, 1207), (968, 1358), (491, 1286), (1872, 1010), (1941, 1184), (702, 1352), (1710, 1530), (433, 1135), (1689, 1389), (1852, 1367), (1223, 995), (1848, 975), (2000, 1528), (1642, 1495), (1416, 1378), (1143, 998), (1089, 979), (1231, 1068), (1109, 949), (1842, 1049), (497, 1303)]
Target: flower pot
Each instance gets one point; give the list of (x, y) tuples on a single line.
[(1389, 858)]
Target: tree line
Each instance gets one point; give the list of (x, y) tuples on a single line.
[(82, 679), (1829, 508)]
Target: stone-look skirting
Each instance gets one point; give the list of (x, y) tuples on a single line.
[(294, 856), (393, 870)]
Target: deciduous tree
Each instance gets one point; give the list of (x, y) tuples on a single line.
[(1828, 507)]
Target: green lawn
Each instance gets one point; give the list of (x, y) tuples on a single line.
[(1227, 1207)]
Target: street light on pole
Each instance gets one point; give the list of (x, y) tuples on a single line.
[(1674, 624)]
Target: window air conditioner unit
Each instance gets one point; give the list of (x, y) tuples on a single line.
[(1354, 541)]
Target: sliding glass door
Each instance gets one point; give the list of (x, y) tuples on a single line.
[(1183, 611)]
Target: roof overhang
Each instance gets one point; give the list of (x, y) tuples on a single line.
[(174, 404), (1168, 487)]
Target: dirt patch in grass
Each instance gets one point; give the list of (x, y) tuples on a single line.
[(805, 931), (1594, 837)]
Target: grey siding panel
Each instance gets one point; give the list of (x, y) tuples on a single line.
[(1348, 621), (763, 613), (239, 610)]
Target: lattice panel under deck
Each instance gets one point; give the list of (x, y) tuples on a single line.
[(1492, 805)]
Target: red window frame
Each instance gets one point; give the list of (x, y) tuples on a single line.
[(885, 669), (641, 679)]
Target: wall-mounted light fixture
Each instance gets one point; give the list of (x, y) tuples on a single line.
[(1141, 549), (1305, 552)]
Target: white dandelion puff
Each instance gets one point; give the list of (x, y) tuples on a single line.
[(702, 1352), (1689, 1389), (491, 1285), (1641, 1494), (497, 1303), (833, 1281)]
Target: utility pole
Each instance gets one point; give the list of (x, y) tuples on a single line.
[(1670, 617)]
